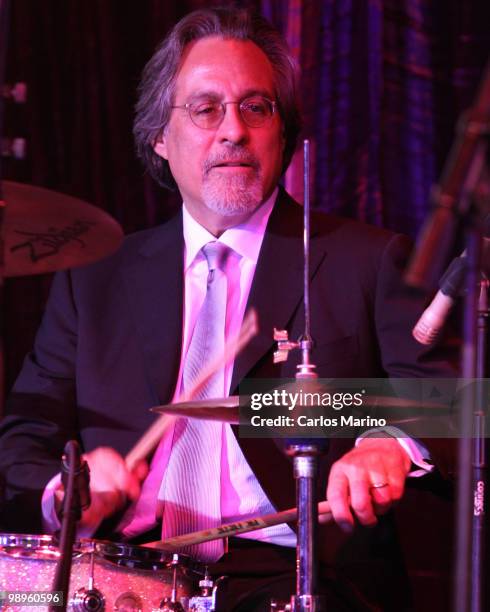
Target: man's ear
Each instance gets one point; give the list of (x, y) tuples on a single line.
[(160, 146)]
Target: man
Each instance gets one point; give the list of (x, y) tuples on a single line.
[(217, 115)]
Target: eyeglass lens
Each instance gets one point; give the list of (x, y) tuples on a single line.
[(255, 111)]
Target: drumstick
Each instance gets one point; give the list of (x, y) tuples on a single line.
[(231, 529), (150, 439)]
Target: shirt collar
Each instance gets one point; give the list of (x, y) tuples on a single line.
[(245, 239)]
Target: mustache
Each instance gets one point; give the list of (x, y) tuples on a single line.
[(236, 155)]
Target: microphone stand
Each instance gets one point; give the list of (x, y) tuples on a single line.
[(471, 500), (472, 445), (75, 478), (479, 449)]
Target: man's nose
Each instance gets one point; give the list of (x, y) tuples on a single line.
[(233, 128)]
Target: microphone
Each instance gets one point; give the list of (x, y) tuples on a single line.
[(72, 459), (451, 286), (430, 324)]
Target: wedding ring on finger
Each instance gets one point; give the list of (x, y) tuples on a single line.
[(378, 485)]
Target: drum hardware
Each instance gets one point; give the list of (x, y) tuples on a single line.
[(88, 599), (206, 601), (169, 604), (305, 452), (284, 345), (175, 560)]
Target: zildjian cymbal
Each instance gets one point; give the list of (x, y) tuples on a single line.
[(45, 231)]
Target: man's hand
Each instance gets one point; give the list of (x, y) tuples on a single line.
[(375, 461), (111, 485)]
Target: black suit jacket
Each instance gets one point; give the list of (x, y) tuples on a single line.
[(109, 345)]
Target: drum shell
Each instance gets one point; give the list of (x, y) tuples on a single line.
[(28, 563)]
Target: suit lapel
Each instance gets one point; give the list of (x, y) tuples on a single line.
[(154, 281)]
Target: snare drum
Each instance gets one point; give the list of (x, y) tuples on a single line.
[(104, 575)]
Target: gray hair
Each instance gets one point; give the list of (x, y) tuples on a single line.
[(157, 87)]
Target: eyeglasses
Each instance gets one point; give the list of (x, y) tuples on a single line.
[(208, 114)]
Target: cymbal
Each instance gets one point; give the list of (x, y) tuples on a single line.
[(46, 231), (226, 409)]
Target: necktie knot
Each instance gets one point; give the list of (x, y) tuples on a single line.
[(215, 254)]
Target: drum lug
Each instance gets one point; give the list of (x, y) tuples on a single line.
[(87, 600)]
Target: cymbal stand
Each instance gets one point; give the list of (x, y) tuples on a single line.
[(305, 452)]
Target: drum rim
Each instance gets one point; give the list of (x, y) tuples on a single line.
[(123, 551), (41, 547), (26, 540)]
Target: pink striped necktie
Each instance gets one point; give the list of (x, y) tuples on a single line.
[(191, 487)]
